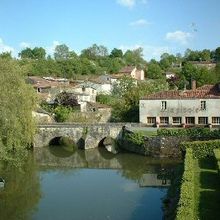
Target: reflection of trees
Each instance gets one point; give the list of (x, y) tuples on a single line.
[(21, 193)]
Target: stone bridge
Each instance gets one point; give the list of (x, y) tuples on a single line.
[(84, 135)]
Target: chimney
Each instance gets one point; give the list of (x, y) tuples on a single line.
[(193, 84)]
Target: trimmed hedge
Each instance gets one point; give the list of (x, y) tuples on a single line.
[(192, 133), (217, 156), (186, 209), (201, 149)]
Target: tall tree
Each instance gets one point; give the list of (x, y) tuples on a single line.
[(16, 122), (61, 52), (116, 53)]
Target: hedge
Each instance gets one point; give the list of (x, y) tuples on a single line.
[(217, 156), (192, 133), (201, 149), (186, 209)]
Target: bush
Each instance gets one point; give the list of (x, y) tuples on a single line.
[(186, 203), (136, 138), (201, 149), (192, 133), (217, 156), (62, 113)]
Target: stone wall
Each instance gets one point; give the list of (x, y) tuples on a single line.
[(160, 147)]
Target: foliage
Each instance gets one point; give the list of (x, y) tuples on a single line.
[(18, 100), (37, 53), (192, 133), (154, 71), (136, 138), (62, 113), (201, 149), (61, 52), (186, 205), (217, 156), (66, 99)]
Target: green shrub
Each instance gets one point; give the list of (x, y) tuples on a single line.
[(217, 156), (136, 138), (62, 113), (192, 133), (186, 203), (201, 149)]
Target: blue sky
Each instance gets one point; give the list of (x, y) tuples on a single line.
[(156, 25)]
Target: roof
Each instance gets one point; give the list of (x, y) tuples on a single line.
[(204, 92), (127, 69)]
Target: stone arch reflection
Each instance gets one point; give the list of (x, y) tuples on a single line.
[(62, 147)]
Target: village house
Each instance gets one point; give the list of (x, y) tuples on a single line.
[(195, 107), (207, 64), (135, 73)]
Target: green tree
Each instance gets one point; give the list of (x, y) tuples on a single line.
[(154, 71), (61, 52), (116, 53), (16, 122), (217, 54), (6, 55)]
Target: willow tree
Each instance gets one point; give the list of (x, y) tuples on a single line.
[(17, 100)]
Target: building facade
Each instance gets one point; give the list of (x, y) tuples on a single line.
[(199, 106)]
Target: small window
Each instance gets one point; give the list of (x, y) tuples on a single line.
[(164, 120), (203, 120), (83, 89), (177, 120), (163, 105), (190, 120), (216, 120), (151, 120), (203, 105)]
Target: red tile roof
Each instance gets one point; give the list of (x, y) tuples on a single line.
[(204, 92)]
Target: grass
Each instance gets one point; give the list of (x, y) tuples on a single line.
[(207, 189)]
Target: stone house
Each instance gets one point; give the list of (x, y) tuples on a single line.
[(207, 64), (195, 107), (132, 71)]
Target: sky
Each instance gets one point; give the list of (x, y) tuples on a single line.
[(158, 26)]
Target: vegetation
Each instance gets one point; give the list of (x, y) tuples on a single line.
[(192, 133), (136, 138), (16, 122), (201, 149), (217, 157), (186, 206)]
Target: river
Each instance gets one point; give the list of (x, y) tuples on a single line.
[(58, 184)]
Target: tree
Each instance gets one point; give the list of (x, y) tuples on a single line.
[(16, 122), (6, 55), (61, 52), (217, 54), (154, 71), (116, 53), (37, 53), (135, 57)]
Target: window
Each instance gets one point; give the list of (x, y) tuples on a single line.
[(83, 89), (203, 105), (177, 120), (215, 120), (164, 120), (190, 120), (151, 120), (163, 105), (203, 120)]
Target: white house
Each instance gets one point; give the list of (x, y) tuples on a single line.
[(190, 107)]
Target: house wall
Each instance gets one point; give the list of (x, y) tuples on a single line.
[(179, 108)]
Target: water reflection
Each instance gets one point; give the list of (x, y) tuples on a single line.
[(21, 193), (143, 170)]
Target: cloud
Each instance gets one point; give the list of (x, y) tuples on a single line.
[(127, 3), (179, 37), (50, 49), (5, 48), (140, 23), (24, 45)]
